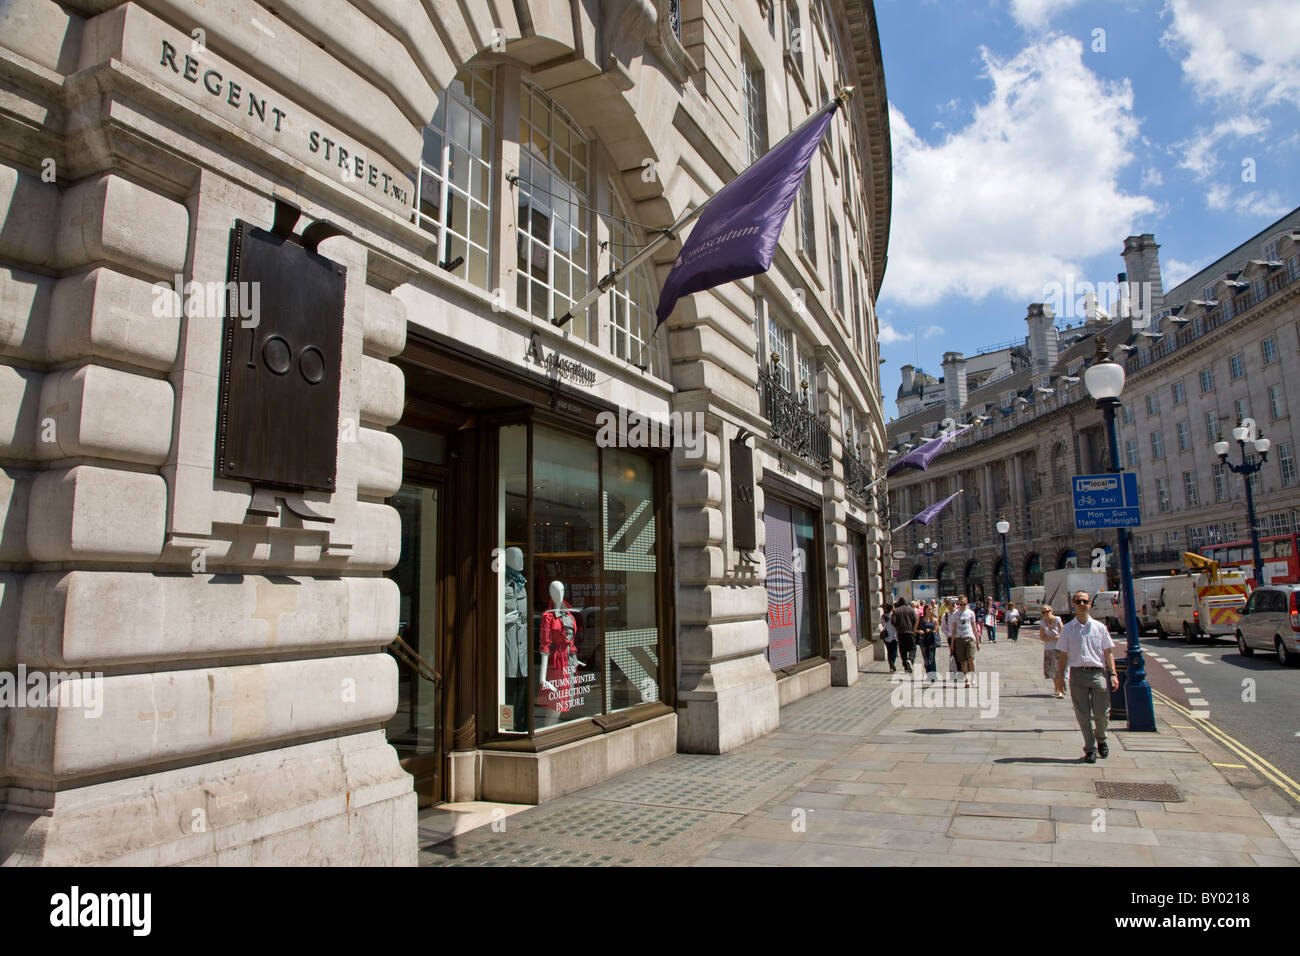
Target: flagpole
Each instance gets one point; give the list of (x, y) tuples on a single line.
[(841, 98)]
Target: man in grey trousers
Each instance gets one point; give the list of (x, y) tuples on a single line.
[(1085, 647)]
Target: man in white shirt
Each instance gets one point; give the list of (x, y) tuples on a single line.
[(965, 639), (1085, 647)]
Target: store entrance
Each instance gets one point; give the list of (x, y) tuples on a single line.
[(413, 729)]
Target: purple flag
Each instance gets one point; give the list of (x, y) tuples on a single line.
[(920, 458), (932, 512), (736, 235)]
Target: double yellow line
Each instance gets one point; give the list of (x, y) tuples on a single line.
[(1252, 759)]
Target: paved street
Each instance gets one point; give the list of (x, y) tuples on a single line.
[(1265, 716), (850, 779)]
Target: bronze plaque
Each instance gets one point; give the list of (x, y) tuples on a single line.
[(744, 533), (281, 363)]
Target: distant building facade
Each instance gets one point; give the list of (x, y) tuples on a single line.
[(1221, 346)]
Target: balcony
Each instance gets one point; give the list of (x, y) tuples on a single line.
[(793, 425), (857, 477), (1157, 556)]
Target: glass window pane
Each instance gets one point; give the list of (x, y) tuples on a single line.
[(512, 580), (565, 578), (631, 611), (411, 730)]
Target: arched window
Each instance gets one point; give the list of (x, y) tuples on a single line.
[(1034, 570), (974, 580), (1068, 559), (1060, 479), (947, 580), (553, 215), (454, 187)]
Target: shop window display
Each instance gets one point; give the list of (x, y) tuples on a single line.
[(792, 582), (578, 628)]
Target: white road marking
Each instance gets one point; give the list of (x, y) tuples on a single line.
[(1198, 702), (1176, 673), (1200, 656), (1184, 680)]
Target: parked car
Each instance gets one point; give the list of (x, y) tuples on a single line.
[(1270, 621)]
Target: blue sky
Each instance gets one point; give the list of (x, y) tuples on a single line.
[(1031, 136)]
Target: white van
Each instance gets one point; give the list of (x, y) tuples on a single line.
[(1146, 595), (1200, 604), (1105, 608)]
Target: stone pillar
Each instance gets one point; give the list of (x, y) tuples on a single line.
[(842, 646)]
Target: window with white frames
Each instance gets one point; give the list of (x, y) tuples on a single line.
[(1236, 366), (1180, 395), (1276, 403), (1286, 464), (631, 299), (1269, 348), (837, 280), (553, 222), (1189, 489), (1211, 427), (761, 355), (1131, 450), (454, 188), (1126, 414), (778, 343), (1184, 436), (1270, 251), (1157, 446), (1220, 482), (1153, 404), (1162, 495), (807, 373), (807, 236), (794, 35), (755, 108), (1207, 380), (858, 339), (1239, 409)]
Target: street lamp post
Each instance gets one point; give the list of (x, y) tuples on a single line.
[(929, 545), (1104, 380), (1004, 526), (1241, 434)]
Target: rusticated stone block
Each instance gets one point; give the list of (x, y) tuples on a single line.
[(24, 313), (385, 330), (91, 513), (108, 218), (87, 619), (20, 395), (383, 392), (106, 314), (15, 490), (31, 211), (101, 412), (379, 463)]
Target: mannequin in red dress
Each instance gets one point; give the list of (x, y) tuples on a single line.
[(558, 645)]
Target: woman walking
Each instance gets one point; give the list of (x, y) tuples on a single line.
[(991, 623), (927, 632), (890, 637), (1049, 629), (1013, 622)]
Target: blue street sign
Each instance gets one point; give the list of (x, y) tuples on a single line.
[(1106, 501)]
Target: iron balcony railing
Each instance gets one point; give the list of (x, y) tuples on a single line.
[(793, 424), (1157, 555), (857, 476)]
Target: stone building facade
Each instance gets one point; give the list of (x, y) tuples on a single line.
[(305, 566), (1221, 347)]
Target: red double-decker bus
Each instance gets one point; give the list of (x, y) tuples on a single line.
[(1278, 552)]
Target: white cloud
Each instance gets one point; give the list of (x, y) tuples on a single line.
[(1151, 178), (1221, 197), (1035, 14), (930, 331), (1174, 272), (891, 336), (1239, 54), (1022, 193), (1198, 154)]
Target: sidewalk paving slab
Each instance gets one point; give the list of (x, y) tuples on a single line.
[(851, 780)]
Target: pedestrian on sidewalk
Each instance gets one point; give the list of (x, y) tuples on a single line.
[(1013, 623), (928, 632), (1049, 629), (890, 637), (1085, 647), (966, 640), (905, 621), (991, 624)]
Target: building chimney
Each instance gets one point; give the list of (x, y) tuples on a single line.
[(1142, 263), (907, 371), (954, 382), (1044, 345)]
